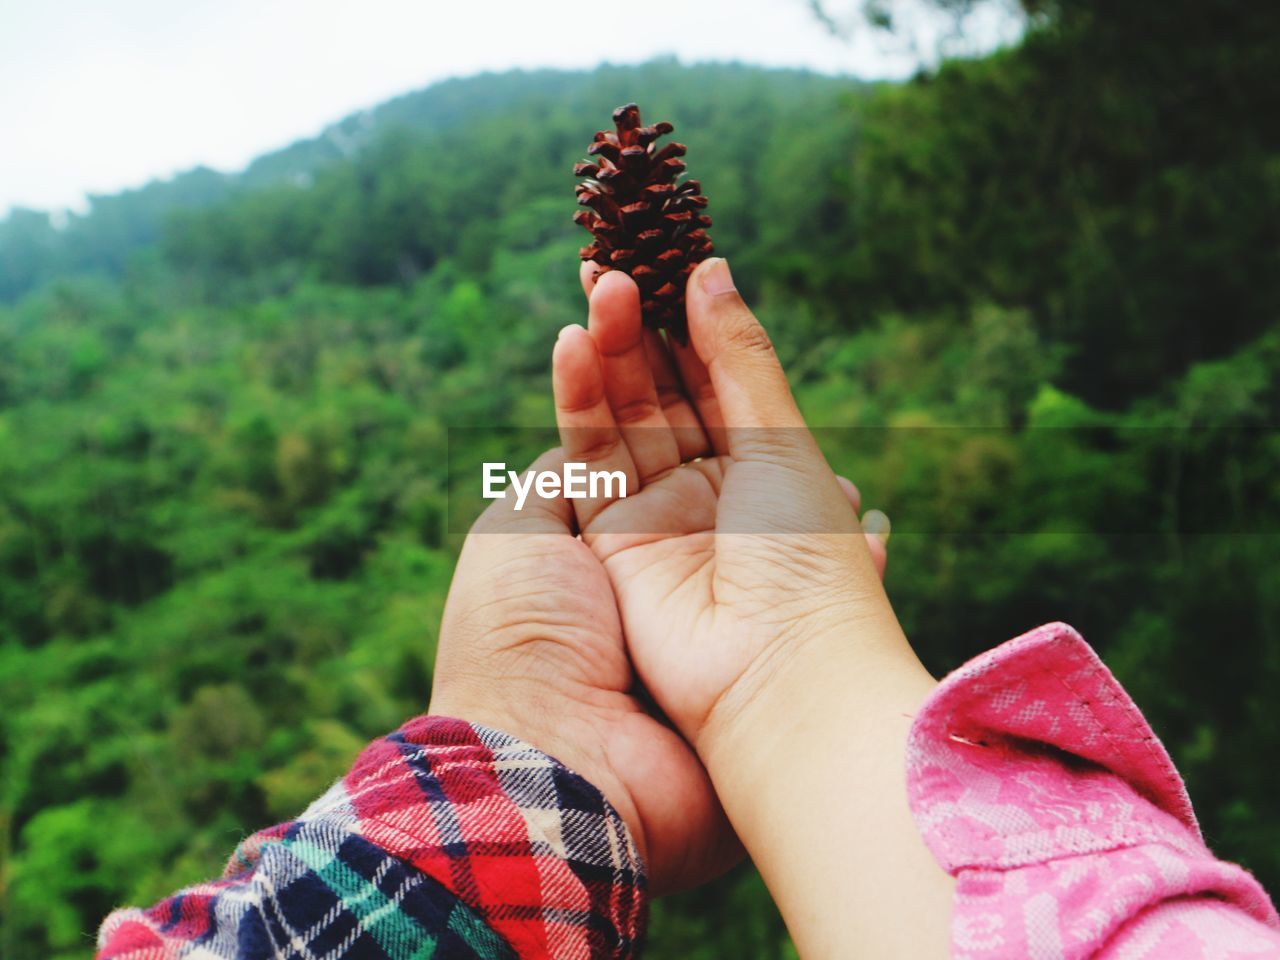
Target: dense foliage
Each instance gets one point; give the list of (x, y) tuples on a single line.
[(1054, 272)]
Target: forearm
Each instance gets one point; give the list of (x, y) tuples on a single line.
[(812, 773)]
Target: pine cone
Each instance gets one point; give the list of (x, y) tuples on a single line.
[(644, 222)]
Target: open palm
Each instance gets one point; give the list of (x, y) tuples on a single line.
[(736, 530)]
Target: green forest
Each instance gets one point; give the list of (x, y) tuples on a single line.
[(1032, 298)]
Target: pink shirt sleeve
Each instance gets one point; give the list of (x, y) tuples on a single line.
[(1037, 783)]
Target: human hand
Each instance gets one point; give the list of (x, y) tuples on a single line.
[(738, 545), (531, 644), (753, 611)]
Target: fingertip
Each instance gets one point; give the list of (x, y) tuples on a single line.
[(576, 376), (572, 343), (875, 527), (879, 553), (713, 277), (572, 346), (588, 273), (615, 319), (719, 319), (613, 284), (851, 492), (750, 385), (710, 290), (875, 523)]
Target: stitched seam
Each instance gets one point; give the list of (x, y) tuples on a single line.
[(1121, 837), (1130, 712)]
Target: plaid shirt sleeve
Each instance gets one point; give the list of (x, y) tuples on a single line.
[(444, 840)]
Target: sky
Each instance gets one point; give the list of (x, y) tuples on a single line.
[(96, 97)]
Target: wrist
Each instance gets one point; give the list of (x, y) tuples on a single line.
[(832, 683), (574, 737), (810, 765)]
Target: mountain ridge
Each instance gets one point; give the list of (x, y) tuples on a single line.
[(34, 250)]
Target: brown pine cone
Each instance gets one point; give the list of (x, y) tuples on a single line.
[(644, 222)]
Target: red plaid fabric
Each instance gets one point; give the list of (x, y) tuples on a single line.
[(444, 840)]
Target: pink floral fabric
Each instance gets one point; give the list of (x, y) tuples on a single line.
[(1037, 783)]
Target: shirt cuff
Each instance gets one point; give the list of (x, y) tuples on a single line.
[(531, 847), (444, 838), (1036, 781)]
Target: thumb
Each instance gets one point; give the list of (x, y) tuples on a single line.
[(763, 424), (750, 386)]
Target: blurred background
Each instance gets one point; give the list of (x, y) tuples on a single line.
[(1024, 229)]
